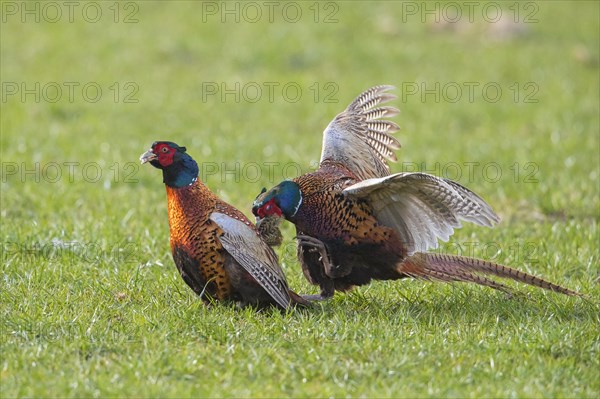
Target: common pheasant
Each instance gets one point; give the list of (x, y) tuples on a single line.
[(356, 222), (217, 250)]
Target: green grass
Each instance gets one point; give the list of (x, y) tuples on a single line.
[(91, 303)]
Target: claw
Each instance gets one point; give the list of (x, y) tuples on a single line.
[(310, 241), (317, 244)]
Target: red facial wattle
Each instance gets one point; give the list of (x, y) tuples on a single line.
[(270, 208), (165, 154)]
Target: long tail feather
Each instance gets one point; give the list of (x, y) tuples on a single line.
[(431, 266), (469, 278)]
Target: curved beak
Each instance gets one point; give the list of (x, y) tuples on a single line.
[(148, 156), (257, 218)]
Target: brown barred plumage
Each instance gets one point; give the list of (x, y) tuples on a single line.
[(355, 222), (216, 249)]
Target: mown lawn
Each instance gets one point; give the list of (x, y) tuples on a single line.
[(91, 303)]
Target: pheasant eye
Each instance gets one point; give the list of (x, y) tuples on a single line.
[(164, 149), (268, 207)]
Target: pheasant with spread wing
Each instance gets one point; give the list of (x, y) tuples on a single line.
[(217, 250), (356, 222)]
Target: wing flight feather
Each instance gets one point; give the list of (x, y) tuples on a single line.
[(359, 139), (422, 208), (254, 255)]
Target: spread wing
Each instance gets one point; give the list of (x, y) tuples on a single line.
[(359, 139), (254, 255), (422, 208)]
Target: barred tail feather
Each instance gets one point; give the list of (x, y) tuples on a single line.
[(459, 268), (459, 275)]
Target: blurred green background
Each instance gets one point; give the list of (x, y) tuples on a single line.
[(501, 96)]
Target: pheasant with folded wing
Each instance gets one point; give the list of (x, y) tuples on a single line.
[(216, 249)]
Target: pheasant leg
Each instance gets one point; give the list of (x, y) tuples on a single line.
[(319, 246)]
